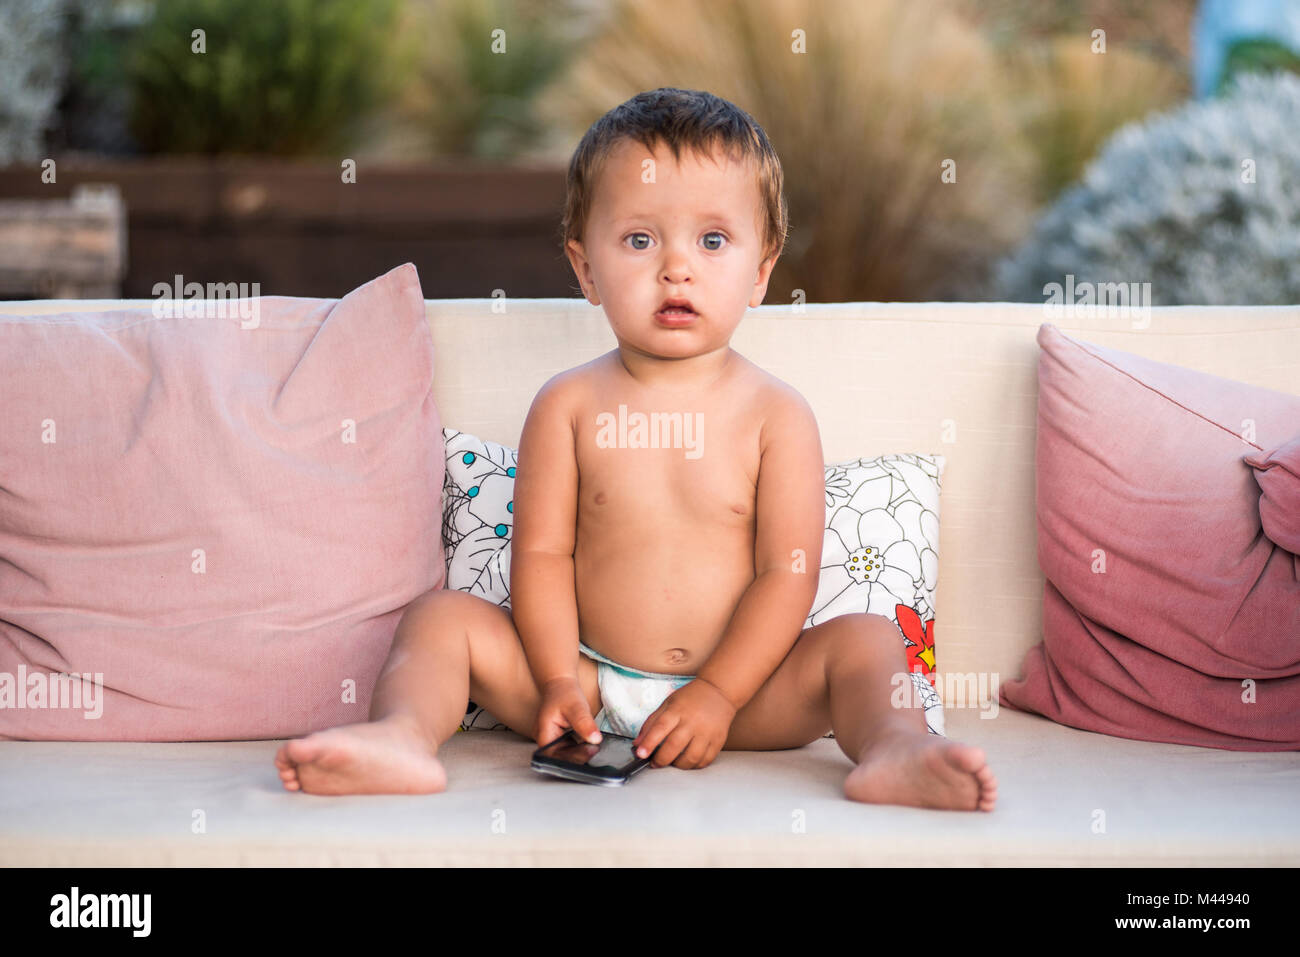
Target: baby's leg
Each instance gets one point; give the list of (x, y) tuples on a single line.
[(841, 674), (449, 647)]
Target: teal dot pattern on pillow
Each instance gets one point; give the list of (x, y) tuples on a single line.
[(478, 515), (888, 504), (477, 521)]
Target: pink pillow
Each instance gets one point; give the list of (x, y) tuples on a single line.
[(1168, 614), (221, 516), (1278, 475)]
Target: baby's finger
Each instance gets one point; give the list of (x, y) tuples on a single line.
[(673, 750), (653, 730), (583, 723), (546, 732), (643, 732), (693, 755), (550, 727), (667, 737)]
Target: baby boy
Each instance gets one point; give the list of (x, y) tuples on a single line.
[(669, 512)]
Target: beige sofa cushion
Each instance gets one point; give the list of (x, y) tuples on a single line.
[(1065, 798)]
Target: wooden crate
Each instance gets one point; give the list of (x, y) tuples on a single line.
[(64, 248)]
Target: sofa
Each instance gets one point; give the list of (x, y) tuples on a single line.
[(953, 379)]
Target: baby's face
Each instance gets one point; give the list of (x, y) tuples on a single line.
[(693, 232)]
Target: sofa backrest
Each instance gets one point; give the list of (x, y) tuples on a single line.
[(955, 379)]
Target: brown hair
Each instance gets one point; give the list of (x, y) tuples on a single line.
[(678, 119)]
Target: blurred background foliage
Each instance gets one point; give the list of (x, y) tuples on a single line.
[(290, 77), (1074, 99), (1216, 218), (1012, 91), (1257, 56), (32, 72), (474, 90), (861, 136)]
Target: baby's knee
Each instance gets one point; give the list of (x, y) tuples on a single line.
[(879, 625), (860, 632), (443, 601), (429, 613), (854, 623)]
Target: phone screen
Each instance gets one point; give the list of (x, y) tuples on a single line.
[(614, 751)]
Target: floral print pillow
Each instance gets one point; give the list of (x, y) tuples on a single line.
[(879, 555)]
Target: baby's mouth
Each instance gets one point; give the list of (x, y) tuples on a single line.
[(676, 307)]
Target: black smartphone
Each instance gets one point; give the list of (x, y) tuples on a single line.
[(611, 762)]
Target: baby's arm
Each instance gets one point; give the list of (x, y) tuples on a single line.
[(790, 518), (543, 595)]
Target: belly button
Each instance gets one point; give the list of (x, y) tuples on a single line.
[(600, 498), (677, 656)]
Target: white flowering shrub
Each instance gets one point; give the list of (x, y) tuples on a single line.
[(1202, 202), (32, 68)]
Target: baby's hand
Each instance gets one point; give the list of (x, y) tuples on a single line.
[(692, 725), (564, 706)]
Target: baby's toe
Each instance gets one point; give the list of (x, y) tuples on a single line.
[(968, 758), (282, 757), (303, 750)]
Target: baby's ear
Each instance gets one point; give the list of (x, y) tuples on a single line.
[(582, 269), (760, 282)]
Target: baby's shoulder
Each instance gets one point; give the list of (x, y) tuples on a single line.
[(570, 384), (779, 410), (769, 395)]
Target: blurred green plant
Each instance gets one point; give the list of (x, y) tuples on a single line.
[(483, 63), (94, 110), (1160, 30), (1069, 100), (864, 122), (1256, 56), (289, 77)]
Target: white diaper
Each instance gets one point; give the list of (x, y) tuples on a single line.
[(629, 696)]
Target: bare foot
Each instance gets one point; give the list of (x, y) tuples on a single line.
[(920, 769), (380, 757)]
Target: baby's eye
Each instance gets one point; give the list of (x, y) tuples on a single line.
[(706, 241), (636, 236)]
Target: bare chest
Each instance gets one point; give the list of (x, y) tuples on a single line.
[(653, 465)]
